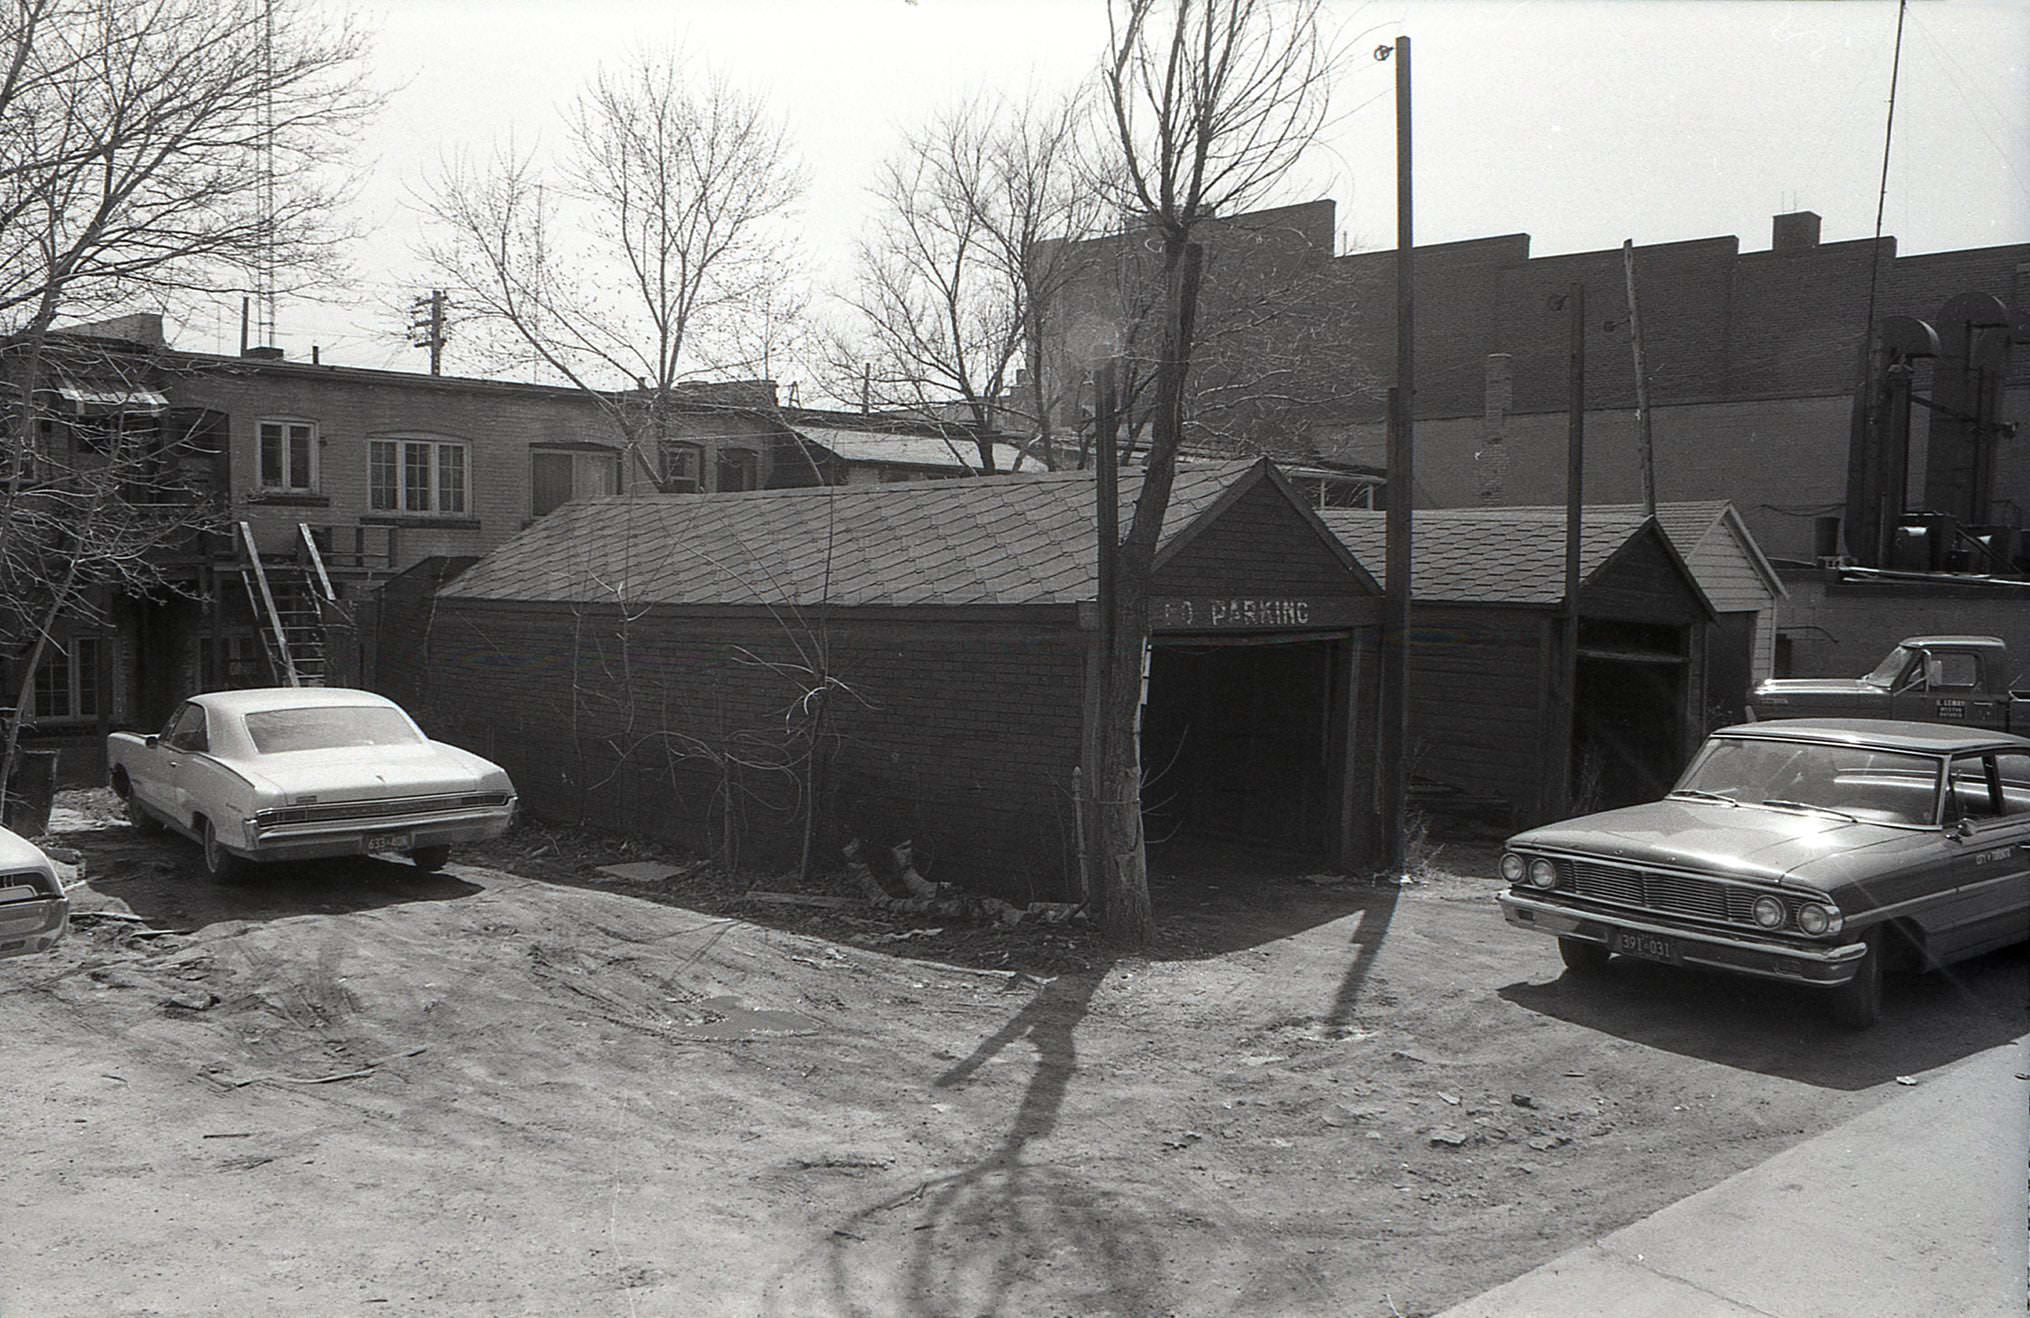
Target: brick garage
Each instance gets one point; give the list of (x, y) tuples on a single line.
[(1486, 729), (640, 663)]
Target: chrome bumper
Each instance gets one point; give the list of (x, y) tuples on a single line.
[(360, 837), (32, 926), (1741, 954)]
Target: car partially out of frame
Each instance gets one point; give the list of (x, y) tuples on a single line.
[(34, 913), (290, 773), (1822, 851)]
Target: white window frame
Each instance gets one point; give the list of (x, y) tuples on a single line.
[(433, 494), (283, 425), (69, 652)]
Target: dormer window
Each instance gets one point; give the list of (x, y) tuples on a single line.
[(683, 467)]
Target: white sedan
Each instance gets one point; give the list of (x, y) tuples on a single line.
[(288, 773), (33, 910)]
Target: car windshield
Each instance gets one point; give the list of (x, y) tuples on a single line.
[(1884, 786), (1885, 673), (328, 727)]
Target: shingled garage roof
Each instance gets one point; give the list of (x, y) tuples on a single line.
[(1490, 555), (957, 452), (989, 540)]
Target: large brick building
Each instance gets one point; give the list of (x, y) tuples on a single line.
[(1752, 357)]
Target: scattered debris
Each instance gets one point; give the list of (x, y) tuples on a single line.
[(1451, 1100), (202, 1000), (643, 871), (1906, 1079), (1544, 1143), (246, 1162), (1522, 1100), (797, 899), (1449, 1136), (902, 936), (361, 1073), (927, 898), (843, 1162), (228, 1135), (1184, 1141)]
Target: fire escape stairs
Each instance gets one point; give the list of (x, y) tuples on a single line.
[(289, 596)]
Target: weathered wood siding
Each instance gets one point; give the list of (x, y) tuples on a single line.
[(957, 731), (1479, 687), (1641, 583), (1722, 565)]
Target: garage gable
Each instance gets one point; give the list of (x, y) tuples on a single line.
[(1644, 580), (1259, 536)]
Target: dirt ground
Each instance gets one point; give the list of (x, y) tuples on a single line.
[(521, 1087)]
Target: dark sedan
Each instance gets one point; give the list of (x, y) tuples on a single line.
[(1823, 851)]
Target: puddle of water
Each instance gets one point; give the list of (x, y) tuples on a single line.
[(741, 1022)]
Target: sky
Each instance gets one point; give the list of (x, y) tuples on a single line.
[(1578, 122)]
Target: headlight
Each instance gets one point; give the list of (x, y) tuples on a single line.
[(1816, 919), (1543, 874), (1768, 912), (1513, 867)]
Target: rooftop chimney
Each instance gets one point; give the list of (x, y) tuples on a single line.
[(1797, 231), (264, 354)]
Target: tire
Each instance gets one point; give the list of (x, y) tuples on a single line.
[(221, 864), (1857, 1004), (138, 816), (1582, 957), (430, 859)]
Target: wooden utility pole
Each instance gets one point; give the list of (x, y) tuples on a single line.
[(1567, 704), (1395, 712), (426, 327), (1107, 546), (1642, 440)]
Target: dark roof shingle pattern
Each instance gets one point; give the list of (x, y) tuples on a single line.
[(989, 540)]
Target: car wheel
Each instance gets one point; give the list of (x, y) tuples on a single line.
[(1858, 1002), (430, 859), (1582, 957), (138, 816), (221, 864)]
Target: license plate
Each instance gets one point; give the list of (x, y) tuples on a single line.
[(1650, 947), (379, 844)]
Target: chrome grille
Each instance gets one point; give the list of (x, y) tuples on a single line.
[(1674, 894)]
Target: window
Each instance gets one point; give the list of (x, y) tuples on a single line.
[(416, 476), (334, 727), (288, 457), (67, 683), (683, 468), (737, 469), (1991, 785), (187, 732), (1953, 670), (556, 479)]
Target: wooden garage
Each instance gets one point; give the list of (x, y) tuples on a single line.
[(1486, 728), (748, 673)]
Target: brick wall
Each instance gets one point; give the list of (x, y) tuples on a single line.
[(958, 730), (1839, 630), (499, 423)]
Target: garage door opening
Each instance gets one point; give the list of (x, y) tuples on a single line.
[(1628, 719), (1238, 743)]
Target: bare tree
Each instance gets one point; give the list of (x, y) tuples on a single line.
[(643, 256), (956, 279), (151, 152), (1211, 103)]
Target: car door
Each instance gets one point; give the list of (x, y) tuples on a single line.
[(1941, 689), (186, 741), (148, 773), (1988, 808)]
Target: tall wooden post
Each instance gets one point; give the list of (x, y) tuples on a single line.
[(1642, 439), (1395, 720), (1565, 707)]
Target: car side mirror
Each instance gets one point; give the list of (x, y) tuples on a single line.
[(1963, 829)]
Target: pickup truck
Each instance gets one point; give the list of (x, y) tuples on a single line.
[(1930, 679)]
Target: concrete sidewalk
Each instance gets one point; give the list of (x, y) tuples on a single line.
[(1917, 1207)]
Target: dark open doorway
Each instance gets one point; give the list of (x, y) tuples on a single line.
[(1628, 724), (1238, 743)]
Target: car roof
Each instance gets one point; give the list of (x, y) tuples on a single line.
[(288, 697), (1952, 640), (1888, 734)]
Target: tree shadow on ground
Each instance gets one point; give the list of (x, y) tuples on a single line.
[(161, 878), (978, 1238), (1784, 1030)]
